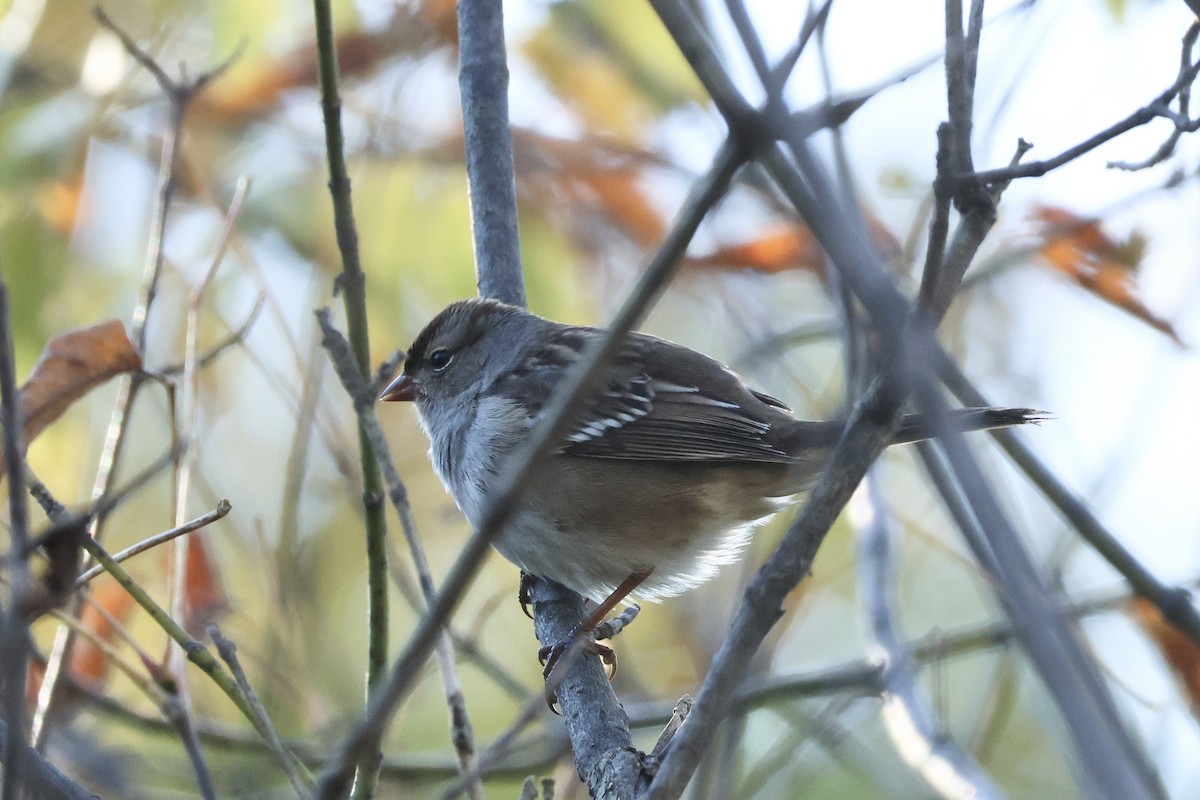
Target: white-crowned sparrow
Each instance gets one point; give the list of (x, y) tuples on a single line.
[(661, 475)]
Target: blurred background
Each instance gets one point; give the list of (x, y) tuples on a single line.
[(1084, 302)]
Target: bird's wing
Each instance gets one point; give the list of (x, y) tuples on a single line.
[(651, 405)]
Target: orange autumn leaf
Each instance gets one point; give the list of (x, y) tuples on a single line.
[(442, 16), (88, 664), (621, 199), (587, 180), (1080, 249), (788, 246), (204, 593), (598, 180), (780, 248), (255, 92), (70, 366), (58, 202), (1180, 652)]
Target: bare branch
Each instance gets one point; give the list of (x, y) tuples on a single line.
[(179, 95), (39, 775), (352, 283), (1175, 602), (1183, 123), (14, 629), (364, 396), (945, 766), (222, 509), (297, 775), (1158, 107), (483, 84), (1112, 765)]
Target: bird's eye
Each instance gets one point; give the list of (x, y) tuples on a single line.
[(440, 359)]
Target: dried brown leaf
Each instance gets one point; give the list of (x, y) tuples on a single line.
[(205, 598), (71, 366), (89, 664), (789, 246), (1080, 249), (1180, 652)]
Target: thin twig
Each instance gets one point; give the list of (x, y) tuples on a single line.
[(1158, 107), (467, 644), (352, 284), (863, 440), (1115, 766), (533, 709), (297, 775), (364, 397), (138, 675), (197, 653), (177, 714), (222, 509), (14, 629), (191, 396), (908, 715), (288, 577), (528, 755), (1185, 98), (184, 429), (1083, 700), (179, 95), (234, 337)]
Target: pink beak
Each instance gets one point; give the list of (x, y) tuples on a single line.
[(402, 388)]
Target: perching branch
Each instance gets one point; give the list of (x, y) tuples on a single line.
[(483, 84)]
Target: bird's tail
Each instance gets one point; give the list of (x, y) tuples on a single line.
[(916, 427)]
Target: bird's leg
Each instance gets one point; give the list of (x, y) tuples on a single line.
[(581, 635)]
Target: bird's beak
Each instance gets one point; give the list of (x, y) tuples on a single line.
[(402, 388)]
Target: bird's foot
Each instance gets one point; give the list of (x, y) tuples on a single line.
[(552, 655)]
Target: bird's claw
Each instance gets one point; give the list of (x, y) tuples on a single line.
[(523, 593), (550, 656)]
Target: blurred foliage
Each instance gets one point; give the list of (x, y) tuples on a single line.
[(602, 164)]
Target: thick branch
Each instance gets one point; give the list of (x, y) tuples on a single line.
[(40, 776), (483, 83)]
